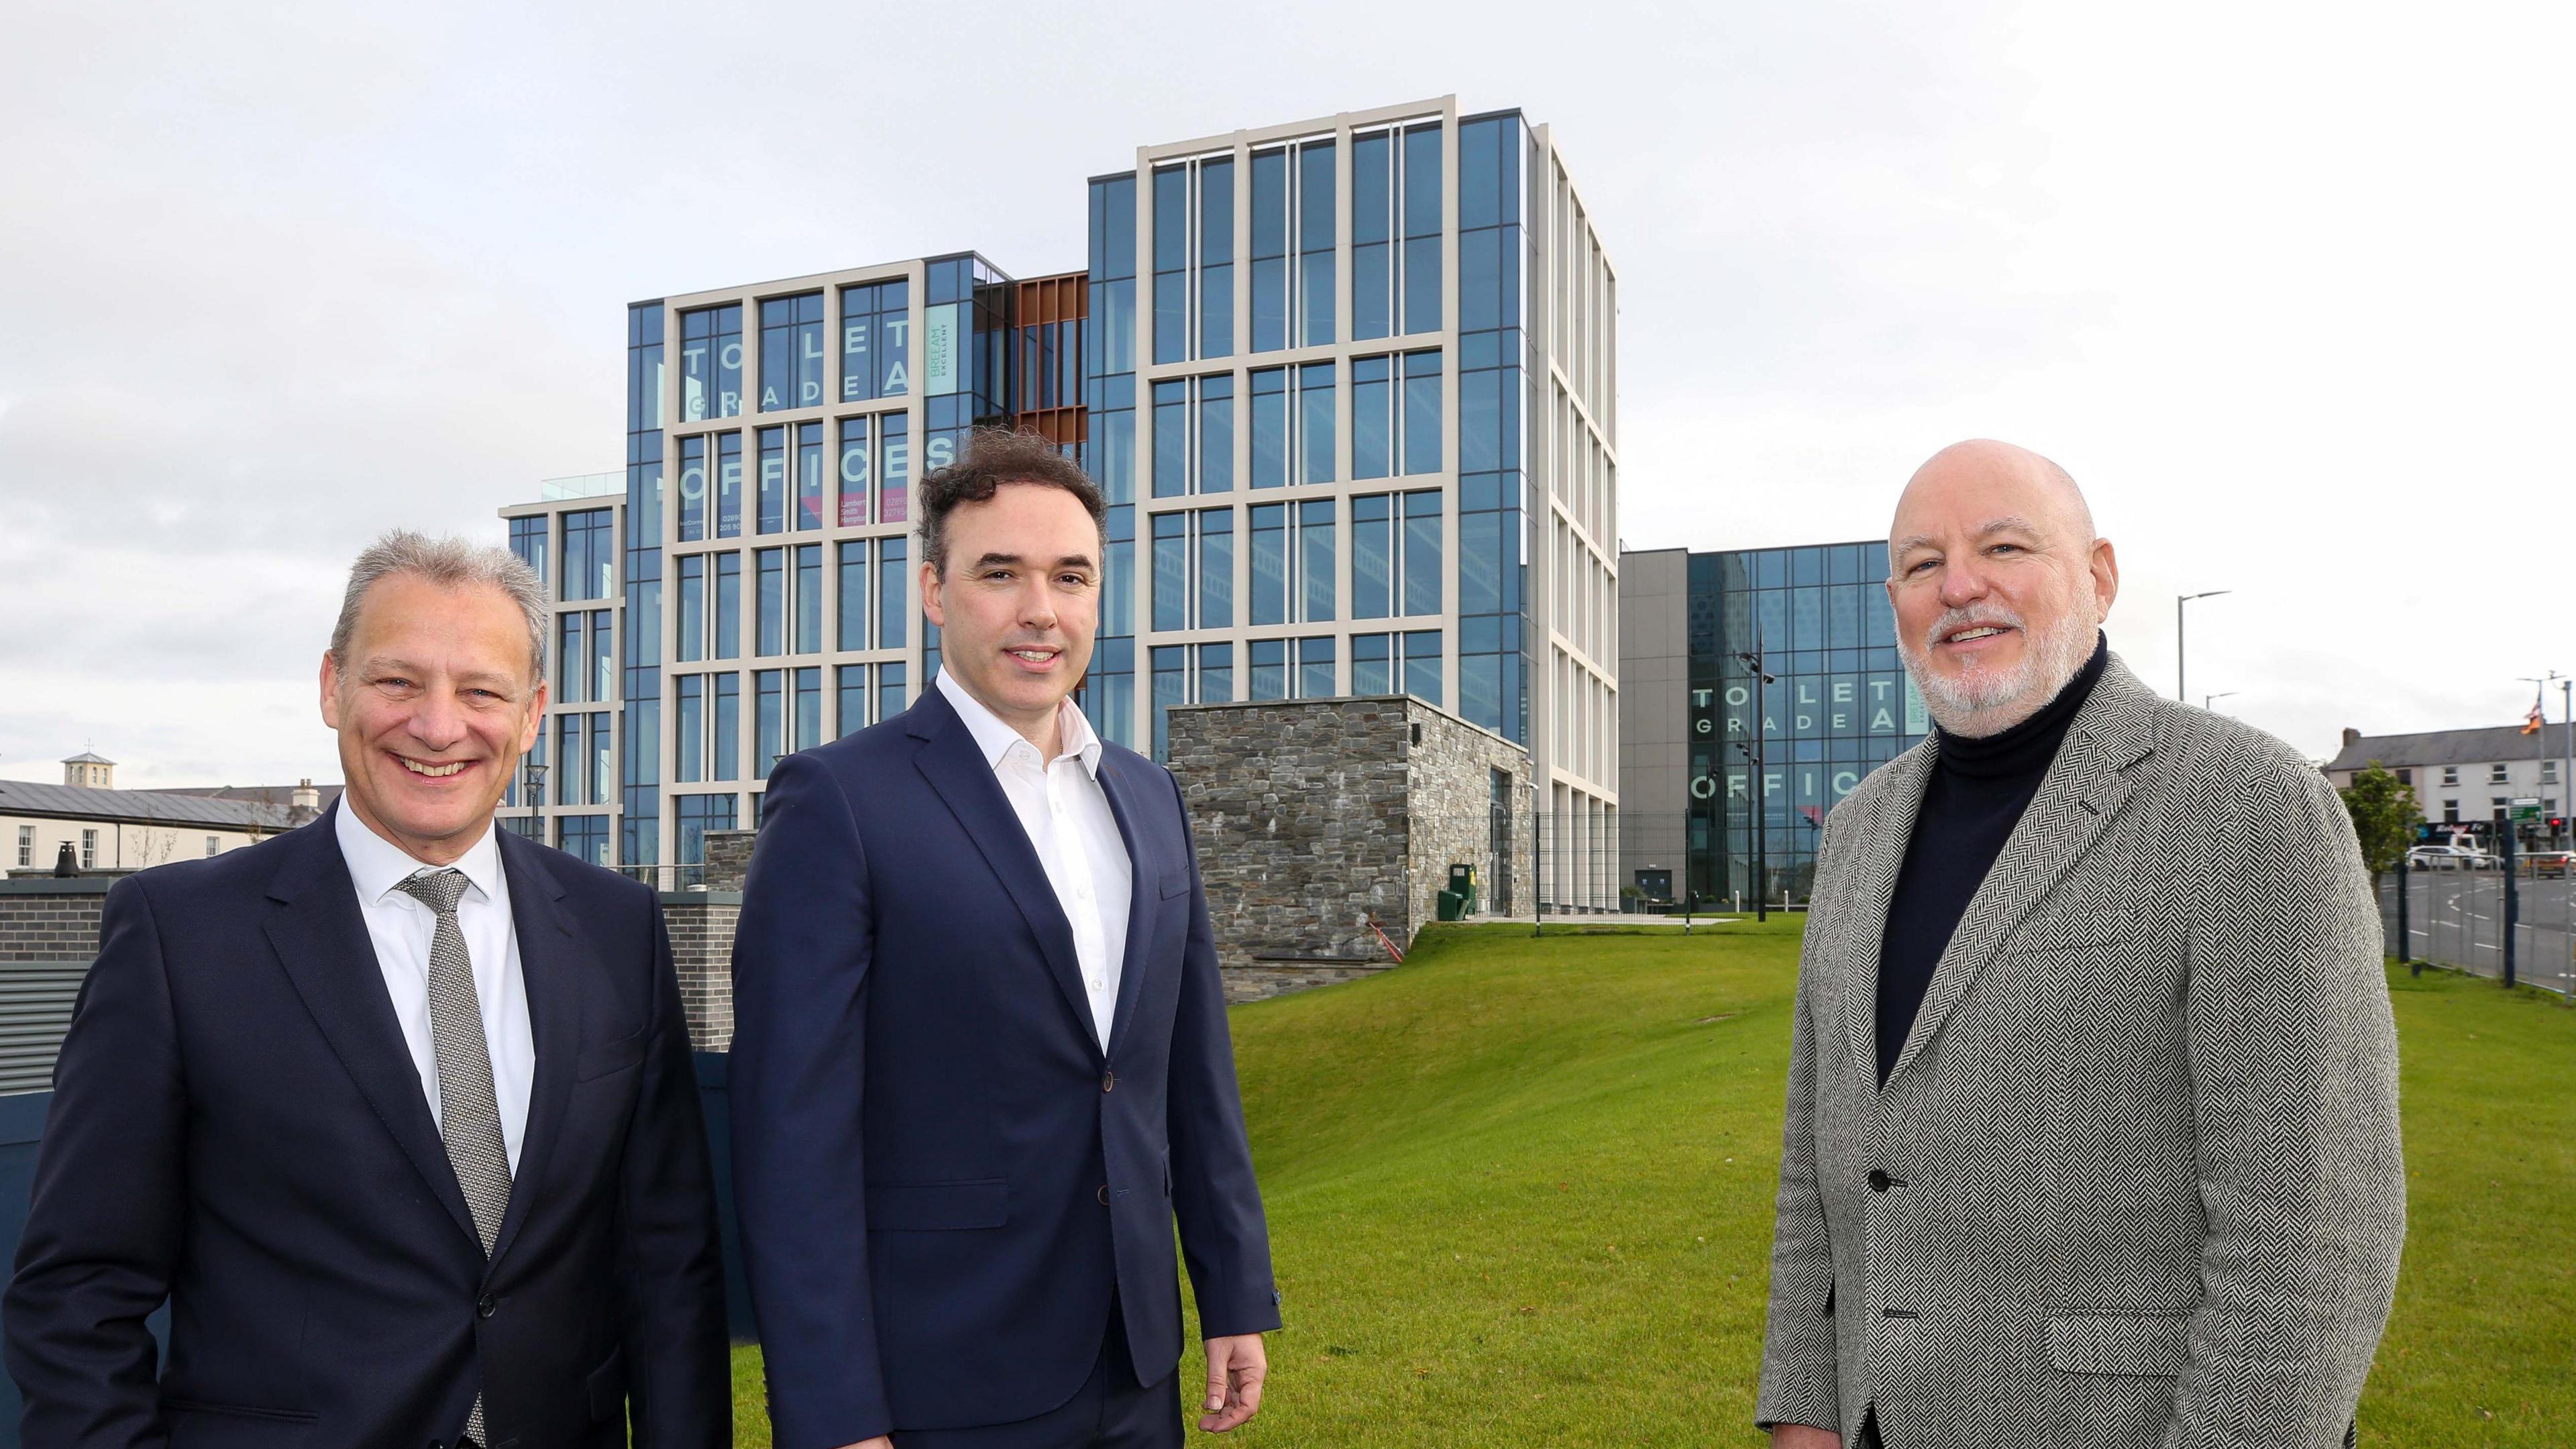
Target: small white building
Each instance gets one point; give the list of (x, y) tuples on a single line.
[(2469, 777), (107, 829)]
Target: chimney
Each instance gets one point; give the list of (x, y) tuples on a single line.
[(2351, 737), (306, 797)]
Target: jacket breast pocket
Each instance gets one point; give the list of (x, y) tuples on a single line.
[(609, 1056), (929, 1207), (2105, 1341)]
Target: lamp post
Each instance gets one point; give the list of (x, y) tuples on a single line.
[(2181, 694), (2539, 703), (1754, 752), (535, 774)]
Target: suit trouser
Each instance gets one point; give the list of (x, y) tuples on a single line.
[(1109, 1411)]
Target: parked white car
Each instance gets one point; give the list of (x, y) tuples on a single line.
[(2449, 857)]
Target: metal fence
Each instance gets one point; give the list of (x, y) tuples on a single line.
[(2457, 918)]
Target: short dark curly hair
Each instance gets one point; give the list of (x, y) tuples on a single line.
[(995, 456)]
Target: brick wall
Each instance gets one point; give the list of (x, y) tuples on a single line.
[(46, 919), (701, 924)]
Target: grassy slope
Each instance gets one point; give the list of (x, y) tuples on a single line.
[(1520, 1193)]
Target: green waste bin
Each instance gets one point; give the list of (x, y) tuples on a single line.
[(1452, 906), (1462, 884)]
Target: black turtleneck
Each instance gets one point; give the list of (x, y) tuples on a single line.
[(1978, 791)]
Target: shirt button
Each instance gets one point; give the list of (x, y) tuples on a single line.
[(1082, 891), (1099, 984)]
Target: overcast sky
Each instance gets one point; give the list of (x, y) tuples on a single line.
[(2287, 289)]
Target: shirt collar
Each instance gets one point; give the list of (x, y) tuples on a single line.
[(377, 865), (995, 738)]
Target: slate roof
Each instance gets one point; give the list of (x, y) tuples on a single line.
[(67, 802), (89, 757), (281, 796), (2453, 747)]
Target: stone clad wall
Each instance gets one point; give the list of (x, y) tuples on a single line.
[(1315, 816), (1453, 814)]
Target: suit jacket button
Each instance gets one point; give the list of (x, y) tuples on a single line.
[(1109, 1083), (1104, 1194), (1879, 1180), (485, 1307)]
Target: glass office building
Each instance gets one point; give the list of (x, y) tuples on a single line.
[(1839, 705), (1348, 384)]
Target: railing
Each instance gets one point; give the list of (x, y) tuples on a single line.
[(581, 485), (2457, 918)]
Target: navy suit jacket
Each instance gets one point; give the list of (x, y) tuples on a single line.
[(941, 1177), (237, 1127)]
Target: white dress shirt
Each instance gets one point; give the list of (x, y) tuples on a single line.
[(401, 927), (1067, 817)]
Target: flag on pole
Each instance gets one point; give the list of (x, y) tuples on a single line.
[(2531, 725)]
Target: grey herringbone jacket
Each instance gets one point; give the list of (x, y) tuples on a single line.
[(2135, 1180)]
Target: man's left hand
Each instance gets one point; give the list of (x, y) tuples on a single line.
[(1236, 1366)]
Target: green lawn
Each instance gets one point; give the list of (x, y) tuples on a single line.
[(1520, 1194)]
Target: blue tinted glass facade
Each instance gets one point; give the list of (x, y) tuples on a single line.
[(1839, 707)]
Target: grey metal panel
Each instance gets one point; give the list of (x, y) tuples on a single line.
[(36, 999)]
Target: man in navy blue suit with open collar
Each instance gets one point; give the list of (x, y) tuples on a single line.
[(980, 1061)]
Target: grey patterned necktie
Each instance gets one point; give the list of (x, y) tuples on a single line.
[(469, 1111)]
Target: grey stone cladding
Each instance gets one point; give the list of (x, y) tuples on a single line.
[(1315, 818)]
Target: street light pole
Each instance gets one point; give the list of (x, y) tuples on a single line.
[(1756, 752), (2182, 695)]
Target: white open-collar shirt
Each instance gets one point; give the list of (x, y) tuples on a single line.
[(401, 927), (1066, 814)]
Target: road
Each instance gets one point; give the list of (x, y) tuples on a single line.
[(2457, 919)]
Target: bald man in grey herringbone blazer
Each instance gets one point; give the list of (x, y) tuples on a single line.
[(2133, 1178)]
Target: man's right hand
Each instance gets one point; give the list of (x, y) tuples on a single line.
[(879, 1442), (1804, 1436)]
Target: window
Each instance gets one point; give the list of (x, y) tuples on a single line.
[(572, 658), (854, 473), (1194, 436), (2450, 812), (711, 363), (1395, 554), (890, 691), (1171, 263), (768, 721), (791, 352), (26, 845), (89, 850), (590, 554), (571, 785), (1194, 569), (1384, 433), (876, 340), (1269, 668), (1185, 674), (2450, 774), (727, 633), (693, 489), (808, 636), (603, 658), (699, 814), (1378, 661), (893, 603), (214, 846), (1315, 243), (854, 595), (1216, 258), (1395, 232), (2495, 774), (692, 643), (528, 541), (583, 836), (769, 608), (1315, 668), (1421, 446), (1315, 462), (1270, 427), (688, 719), (1269, 249), (1292, 565), (729, 485), (1216, 434), (771, 512), (2549, 772)]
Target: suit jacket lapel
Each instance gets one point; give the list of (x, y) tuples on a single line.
[(2090, 780), (950, 761), (1877, 847), (1144, 897), (551, 962), (321, 939)]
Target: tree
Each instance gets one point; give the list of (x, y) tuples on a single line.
[(2384, 816)]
